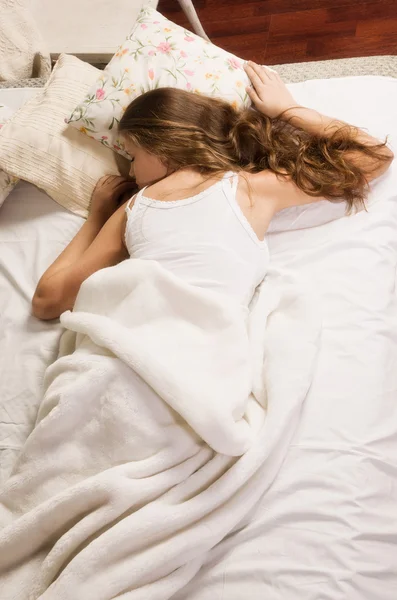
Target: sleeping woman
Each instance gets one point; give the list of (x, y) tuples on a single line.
[(210, 180)]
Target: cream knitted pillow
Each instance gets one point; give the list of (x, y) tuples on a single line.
[(37, 145), (7, 182)]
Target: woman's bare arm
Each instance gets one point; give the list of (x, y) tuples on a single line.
[(318, 124), (272, 98), (98, 244), (59, 286)]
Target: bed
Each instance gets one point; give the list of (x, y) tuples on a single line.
[(326, 529)]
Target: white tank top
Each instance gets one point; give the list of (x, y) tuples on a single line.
[(205, 240)]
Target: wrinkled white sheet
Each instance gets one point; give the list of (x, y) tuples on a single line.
[(33, 232)]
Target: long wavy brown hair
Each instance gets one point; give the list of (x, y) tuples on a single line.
[(186, 129)]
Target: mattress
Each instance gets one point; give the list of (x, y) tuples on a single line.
[(327, 528)]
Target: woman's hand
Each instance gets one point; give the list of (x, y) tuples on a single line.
[(108, 194), (269, 94)]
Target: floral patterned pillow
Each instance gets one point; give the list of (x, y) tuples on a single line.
[(7, 182), (157, 53)]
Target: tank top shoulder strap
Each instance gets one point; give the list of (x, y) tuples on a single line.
[(234, 184), (230, 183), (135, 199)]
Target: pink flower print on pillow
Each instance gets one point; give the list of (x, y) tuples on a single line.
[(100, 94), (234, 63), (164, 47)]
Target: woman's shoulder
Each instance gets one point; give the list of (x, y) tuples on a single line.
[(264, 178), (263, 186), (278, 190)]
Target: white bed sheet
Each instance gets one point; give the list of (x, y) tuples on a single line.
[(327, 529), (16, 97), (33, 231)]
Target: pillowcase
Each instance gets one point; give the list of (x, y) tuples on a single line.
[(7, 182), (157, 53), (37, 145)]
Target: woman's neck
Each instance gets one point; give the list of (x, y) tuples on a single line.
[(186, 179)]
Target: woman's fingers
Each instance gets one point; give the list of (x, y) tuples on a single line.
[(106, 181), (262, 73), (124, 187), (124, 191), (127, 185), (103, 180), (270, 73), (253, 95), (116, 182), (254, 76), (117, 179)]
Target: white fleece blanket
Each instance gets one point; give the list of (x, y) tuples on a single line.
[(164, 420)]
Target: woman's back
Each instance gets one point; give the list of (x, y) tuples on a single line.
[(204, 239)]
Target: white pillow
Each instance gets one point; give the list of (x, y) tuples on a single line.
[(36, 145), (7, 182), (157, 53)]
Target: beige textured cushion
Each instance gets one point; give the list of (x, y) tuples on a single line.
[(37, 145), (7, 183), (23, 52)]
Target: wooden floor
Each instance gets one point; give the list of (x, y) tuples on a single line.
[(285, 31)]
